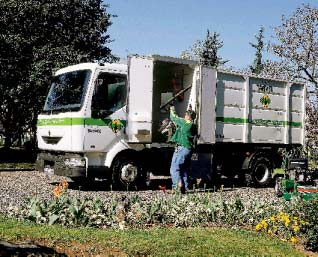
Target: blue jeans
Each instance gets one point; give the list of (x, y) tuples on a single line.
[(180, 165)]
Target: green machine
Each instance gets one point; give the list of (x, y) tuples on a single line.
[(298, 181)]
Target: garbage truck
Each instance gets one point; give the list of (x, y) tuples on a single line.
[(103, 121)]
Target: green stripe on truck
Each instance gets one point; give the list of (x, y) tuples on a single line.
[(107, 122), (76, 121), (259, 122)]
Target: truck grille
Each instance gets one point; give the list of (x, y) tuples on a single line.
[(51, 140)]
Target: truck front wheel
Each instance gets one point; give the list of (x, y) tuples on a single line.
[(261, 171), (127, 173)]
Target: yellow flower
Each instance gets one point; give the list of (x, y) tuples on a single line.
[(264, 223), (281, 216), (269, 231), (302, 222), (272, 218), (258, 226), (293, 239), (296, 228), (287, 221)]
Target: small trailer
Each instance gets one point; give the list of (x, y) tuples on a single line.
[(104, 120)]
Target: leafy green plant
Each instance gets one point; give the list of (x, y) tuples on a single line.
[(77, 210)]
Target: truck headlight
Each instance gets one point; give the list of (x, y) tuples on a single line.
[(75, 162)]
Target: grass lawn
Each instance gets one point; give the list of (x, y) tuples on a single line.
[(17, 166), (149, 242)]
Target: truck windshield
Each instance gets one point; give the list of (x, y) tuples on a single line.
[(67, 91)]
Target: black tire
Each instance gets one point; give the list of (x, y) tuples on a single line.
[(279, 186), (128, 173), (261, 171)]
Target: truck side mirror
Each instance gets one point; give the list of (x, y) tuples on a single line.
[(99, 104), (99, 100), (98, 87)]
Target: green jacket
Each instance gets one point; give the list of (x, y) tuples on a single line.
[(185, 131)]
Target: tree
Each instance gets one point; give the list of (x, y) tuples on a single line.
[(206, 51), (258, 65), (36, 38), (296, 45), (194, 52), (277, 69)]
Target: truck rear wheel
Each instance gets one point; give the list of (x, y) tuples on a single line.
[(261, 171), (128, 173)]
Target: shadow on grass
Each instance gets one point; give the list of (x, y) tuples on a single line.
[(26, 249)]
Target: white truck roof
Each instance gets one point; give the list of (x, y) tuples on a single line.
[(109, 67)]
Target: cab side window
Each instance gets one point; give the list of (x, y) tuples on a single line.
[(110, 93)]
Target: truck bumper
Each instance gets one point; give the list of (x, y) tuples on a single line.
[(62, 165)]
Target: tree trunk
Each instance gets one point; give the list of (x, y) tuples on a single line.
[(7, 141), (33, 129)]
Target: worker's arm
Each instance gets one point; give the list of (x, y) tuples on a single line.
[(174, 117)]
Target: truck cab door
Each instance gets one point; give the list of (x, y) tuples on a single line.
[(140, 97), (108, 112), (207, 101)]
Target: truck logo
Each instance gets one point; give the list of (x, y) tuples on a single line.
[(265, 100), (99, 131), (265, 88), (116, 125)]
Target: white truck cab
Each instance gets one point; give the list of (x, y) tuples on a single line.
[(84, 116)]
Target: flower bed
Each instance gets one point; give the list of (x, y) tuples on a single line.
[(291, 221)]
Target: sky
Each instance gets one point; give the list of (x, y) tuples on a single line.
[(167, 27)]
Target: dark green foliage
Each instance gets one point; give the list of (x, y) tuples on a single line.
[(36, 38), (209, 55), (258, 65)]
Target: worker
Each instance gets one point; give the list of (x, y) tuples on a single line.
[(184, 140)]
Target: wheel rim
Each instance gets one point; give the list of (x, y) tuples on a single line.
[(261, 173), (128, 173)]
